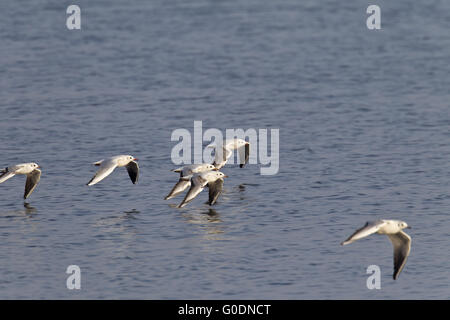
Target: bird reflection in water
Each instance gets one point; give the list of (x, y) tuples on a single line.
[(241, 190), (209, 221), (213, 215), (29, 210), (116, 220), (130, 214), (120, 226)]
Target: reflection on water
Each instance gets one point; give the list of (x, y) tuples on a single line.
[(120, 231), (28, 212), (234, 193), (117, 220), (338, 151), (131, 214), (212, 213), (29, 209), (117, 224), (209, 222), (241, 190)]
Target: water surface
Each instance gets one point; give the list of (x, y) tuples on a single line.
[(364, 134)]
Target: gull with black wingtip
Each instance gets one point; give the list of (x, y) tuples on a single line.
[(107, 166), (224, 150), (394, 230), (186, 174), (212, 179), (31, 170)]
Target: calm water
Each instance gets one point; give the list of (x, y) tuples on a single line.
[(364, 134)]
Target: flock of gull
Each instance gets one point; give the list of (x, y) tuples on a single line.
[(198, 176)]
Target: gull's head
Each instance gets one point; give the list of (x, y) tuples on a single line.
[(219, 175), (125, 160), (131, 158), (240, 142), (209, 167), (403, 225), (35, 165)]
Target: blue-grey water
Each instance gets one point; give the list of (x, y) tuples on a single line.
[(364, 134)]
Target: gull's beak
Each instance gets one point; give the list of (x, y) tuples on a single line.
[(225, 176), (135, 159), (39, 167), (215, 169), (408, 227)]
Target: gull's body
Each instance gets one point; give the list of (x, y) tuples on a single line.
[(108, 165), (212, 179), (31, 170), (186, 174), (394, 230), (224, 150)]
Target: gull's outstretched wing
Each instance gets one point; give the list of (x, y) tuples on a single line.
[(402, 246), (105, 170), (133, 171), (181, 185), (244, 154), (98, 163), (5, 175), (32, 180), (197, 185), (368, 229), (221, 156), (215, 189)]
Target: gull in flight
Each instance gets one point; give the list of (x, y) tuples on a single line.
[(394, 230), (108, 165), (224, 151), (186, 174), (31, 170), (212, 179)]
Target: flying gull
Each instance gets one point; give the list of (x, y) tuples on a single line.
[(212, 179), (31, 170), (394, 230), (224, 150), (186, 173), (108, 165)]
